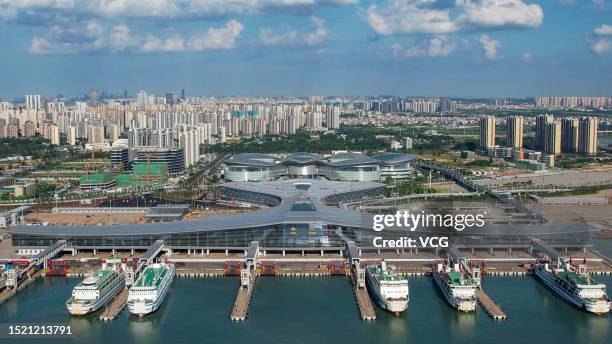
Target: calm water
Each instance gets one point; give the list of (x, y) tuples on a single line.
[(317, 310)]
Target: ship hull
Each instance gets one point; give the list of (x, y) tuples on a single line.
[(458, 304), (76, 308), (144, 307), (596, 307), (394, 306)]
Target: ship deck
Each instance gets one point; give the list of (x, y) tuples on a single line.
[(151, 277), (389, 276), (455, 278), (575, 278)]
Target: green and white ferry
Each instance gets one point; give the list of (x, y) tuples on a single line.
[(150, 289), (95, 291), (457, 286), (390, 290), (575, 285)]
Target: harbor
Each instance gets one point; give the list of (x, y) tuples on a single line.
[(194, 301), (253, 265)]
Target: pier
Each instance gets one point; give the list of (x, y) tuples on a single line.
[(113, 309), (489, 305), (247, 284), (364, 303), (492, 308), (243, 300), (7, 293)]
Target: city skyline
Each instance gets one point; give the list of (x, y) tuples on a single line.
[(341, 47)]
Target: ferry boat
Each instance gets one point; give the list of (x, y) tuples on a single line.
[(95, 291), (390, 290), (575, 285), (457, 286), (150, 289)]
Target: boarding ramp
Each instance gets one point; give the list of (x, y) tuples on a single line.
[(548, 251), (48, 253)]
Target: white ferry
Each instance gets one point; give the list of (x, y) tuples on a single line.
[(457, 286), (150, 289), (575, 285), (95, 291), (390, 290)]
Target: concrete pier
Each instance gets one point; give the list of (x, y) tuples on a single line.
[(7, 293), (113, 309), (364, 303), (243, 300), (492, 308)]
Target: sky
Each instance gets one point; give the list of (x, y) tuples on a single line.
[(467, 48)]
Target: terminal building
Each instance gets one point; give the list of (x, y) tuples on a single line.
[(296, 215), (355, 167)]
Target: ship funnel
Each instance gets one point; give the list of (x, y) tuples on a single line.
[(456, 266), (383, 265), (546, 266), (439, 267)]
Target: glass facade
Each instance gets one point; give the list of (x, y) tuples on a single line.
[(308, 235)]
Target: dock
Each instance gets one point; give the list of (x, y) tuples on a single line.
[(7, 293), (116, 306), (492, 308), (364, 303), (243, 300)]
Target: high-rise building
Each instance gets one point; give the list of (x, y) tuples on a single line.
[(541, 122), (113, 132), (407, 142), (95, 134), (445, 105), (487, 132), (514, 131), (552, 138), (12, 130), (141, 98), (71, 135), (587, 134), (2, 127), (170, 98), (33, 101), (190, 142), (569, 135), (333, 117), (29, 129), (51, 132), (93, 97)]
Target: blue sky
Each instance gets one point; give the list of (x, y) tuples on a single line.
[(307, 47)]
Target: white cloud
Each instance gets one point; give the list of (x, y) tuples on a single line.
[(598, 41), (408, 16), (318, 34), (170, 44), (601, 46), (74, 37), (268, 37), (120, 38), (92, 37), (429, 16), (217, 38), (437, 46), (603, 30), (114, 9), (490, 47), (526, 57), (500, 14)]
